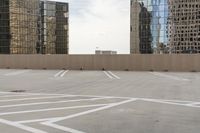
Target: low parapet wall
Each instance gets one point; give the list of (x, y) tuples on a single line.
[(182, 62)]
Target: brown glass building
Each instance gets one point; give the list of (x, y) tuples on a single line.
[(33, 27)]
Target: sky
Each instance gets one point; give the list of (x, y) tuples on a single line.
[(98, 25)]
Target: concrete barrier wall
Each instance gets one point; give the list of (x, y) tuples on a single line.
[(108, 62)]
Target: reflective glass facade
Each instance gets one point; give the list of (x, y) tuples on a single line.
[(165, 26), (33, 27), (54, 27), (4, 27), (24, 15)]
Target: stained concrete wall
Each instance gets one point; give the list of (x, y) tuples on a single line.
[(98, 62)]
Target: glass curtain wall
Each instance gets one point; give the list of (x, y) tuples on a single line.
[(33, 27), (55, 27), (62, 38), (48, 14), (23, 26), (4, 27), (151, 27), (170, 26)]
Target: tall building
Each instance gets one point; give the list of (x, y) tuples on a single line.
[(18, 26), (54, 27), (171, 26), (141, 36), (184, 26), (33, 27), (4, 27)]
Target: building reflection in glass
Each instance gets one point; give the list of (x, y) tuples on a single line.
[(54, 31), (174, 26), (141, 35)]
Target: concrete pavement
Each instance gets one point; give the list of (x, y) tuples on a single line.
[(60, 101)]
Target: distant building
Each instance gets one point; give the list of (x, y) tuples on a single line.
[(19, 26), (184, 26), (141, 37), (165, 26), (33, 27), (105, 52), (54, 17)]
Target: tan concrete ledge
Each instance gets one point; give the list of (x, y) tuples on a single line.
[(172, 62)]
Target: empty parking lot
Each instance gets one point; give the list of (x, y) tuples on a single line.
[(60, 101)]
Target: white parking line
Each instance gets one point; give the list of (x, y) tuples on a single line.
[(57, 74), (97, 96), (51, 123), (107, 74), (30, 94), (174, 102), (39, 94), (111, 75), (114, 75), (92, 108), (111, 105), (26, 95), (169, 76), (17, 72), (195, 104), (66, 129), (20, 126), (34, 98), (105, 106), (36, 120), (44, 103), (13, 95), (63, 74), (51, 109)]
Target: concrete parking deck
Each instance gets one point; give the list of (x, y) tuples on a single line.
[(62, 101)]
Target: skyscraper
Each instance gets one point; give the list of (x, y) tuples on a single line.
[(54, 27), (174, 26), (4, 27), (18, 26), (184, 26), (33, 27), (141, 36)]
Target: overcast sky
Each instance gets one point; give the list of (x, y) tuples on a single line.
[(99, 24)]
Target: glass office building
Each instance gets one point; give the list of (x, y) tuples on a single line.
[(170, 26), (33, 27), (54, 17)]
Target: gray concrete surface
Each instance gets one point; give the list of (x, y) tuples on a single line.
[(62, 101)]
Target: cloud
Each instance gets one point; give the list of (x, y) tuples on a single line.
[(99, 23)]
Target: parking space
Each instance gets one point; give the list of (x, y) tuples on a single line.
[(65, 101), (19, 110)]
